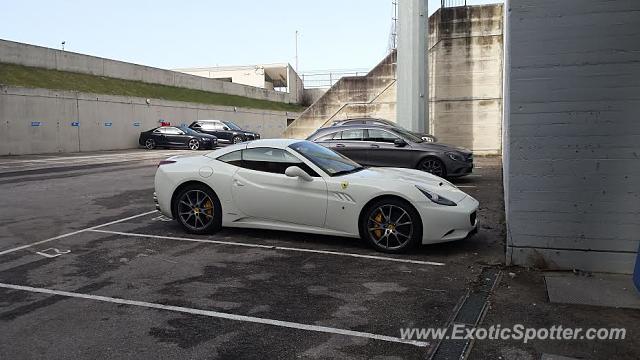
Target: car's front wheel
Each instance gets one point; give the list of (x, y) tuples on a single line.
[(198, 209), (237, 139), (391, 225), (194, 144), (150, 144), (434, 166)]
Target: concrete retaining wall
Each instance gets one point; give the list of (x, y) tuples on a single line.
[(36, 121), (36, 56), (572, 149), (465, 89)]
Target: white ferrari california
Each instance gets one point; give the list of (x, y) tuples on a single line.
[(297, 185)]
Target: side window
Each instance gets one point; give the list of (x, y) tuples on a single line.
[(233, 158), (272, 160), (208, 126), (173, 131), (354, 134), (158, 131), (196, 126), (327, 137), (379, 135)]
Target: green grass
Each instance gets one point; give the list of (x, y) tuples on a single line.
[(32, 77)]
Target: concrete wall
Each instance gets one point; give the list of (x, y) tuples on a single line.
[(42, 121), (30, 55), (465, 90), (572, 141), (465, 61)]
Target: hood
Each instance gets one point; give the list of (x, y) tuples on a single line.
[(410, 177)]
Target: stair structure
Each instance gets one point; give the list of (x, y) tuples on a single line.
[(371, 95)]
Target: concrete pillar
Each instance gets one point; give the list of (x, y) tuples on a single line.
[(412, 108)]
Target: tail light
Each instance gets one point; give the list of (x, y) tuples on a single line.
[(166, 162)]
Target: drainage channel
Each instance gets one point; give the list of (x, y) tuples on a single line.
[(467, 315)]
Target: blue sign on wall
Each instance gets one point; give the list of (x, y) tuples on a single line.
[(35, 123), (136, 124), (108, 124), (75, 123)]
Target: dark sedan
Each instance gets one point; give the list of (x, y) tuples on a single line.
[(384, 122), (386, 146), (226, 131), (176, 137)]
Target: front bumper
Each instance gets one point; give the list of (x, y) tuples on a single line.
[(460, 168), (448, 223)]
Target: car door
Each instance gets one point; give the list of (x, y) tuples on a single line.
[(260, 189), (159, 136), (176, 137), (384, 152), (350, 143)]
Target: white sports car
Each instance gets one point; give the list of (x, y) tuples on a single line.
[(296, 185)]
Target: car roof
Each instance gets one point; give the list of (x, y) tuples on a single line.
[(353, 126), (272, 143)]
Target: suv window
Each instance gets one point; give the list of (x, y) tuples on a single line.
[(353, 134), (327, 137), (269, 160), (211, 125), (380, 135)]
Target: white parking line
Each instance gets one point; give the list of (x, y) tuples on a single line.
[(216, 314), (466, 186), (232, 243), (73, 233)]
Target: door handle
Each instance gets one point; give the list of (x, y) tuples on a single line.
[(375, 146), (238, 183), (340, 145)]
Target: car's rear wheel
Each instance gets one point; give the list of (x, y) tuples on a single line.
[(150, 144), (194, 144), (391, 225), (237, 139), (198, 209), (433, 165)]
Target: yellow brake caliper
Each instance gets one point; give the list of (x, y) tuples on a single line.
[(208, 208), (378, 231)]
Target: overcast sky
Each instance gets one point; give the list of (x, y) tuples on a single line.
[(334, 34)]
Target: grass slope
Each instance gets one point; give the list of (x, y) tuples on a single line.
[(32, 77)]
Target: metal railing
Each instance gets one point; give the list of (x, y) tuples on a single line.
[(324, 79), (452, 3)]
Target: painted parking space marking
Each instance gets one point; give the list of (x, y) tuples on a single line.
[(216, 314), (283, 248), (467, 186), (8, 251), (52, 252)]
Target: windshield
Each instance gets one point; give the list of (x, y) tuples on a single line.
[(328, 160), (407, 135), (232, 125)]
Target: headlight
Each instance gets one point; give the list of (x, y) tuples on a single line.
[(205, 139), (427, 139), (435, 197), (455, 157)]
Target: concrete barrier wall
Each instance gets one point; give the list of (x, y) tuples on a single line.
[(36, 121), (465, 88), (37, 56), (572, 149)]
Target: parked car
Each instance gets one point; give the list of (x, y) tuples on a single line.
[(176, 137), (297, 185), (381, 145), (375, 121), (226, 131)]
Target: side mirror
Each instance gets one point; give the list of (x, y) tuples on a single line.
[(226, 128), (399, 142), (294, 171)]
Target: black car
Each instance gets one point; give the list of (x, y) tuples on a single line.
[(374, 121), (176, 137), (226, 131), (387, 146)]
